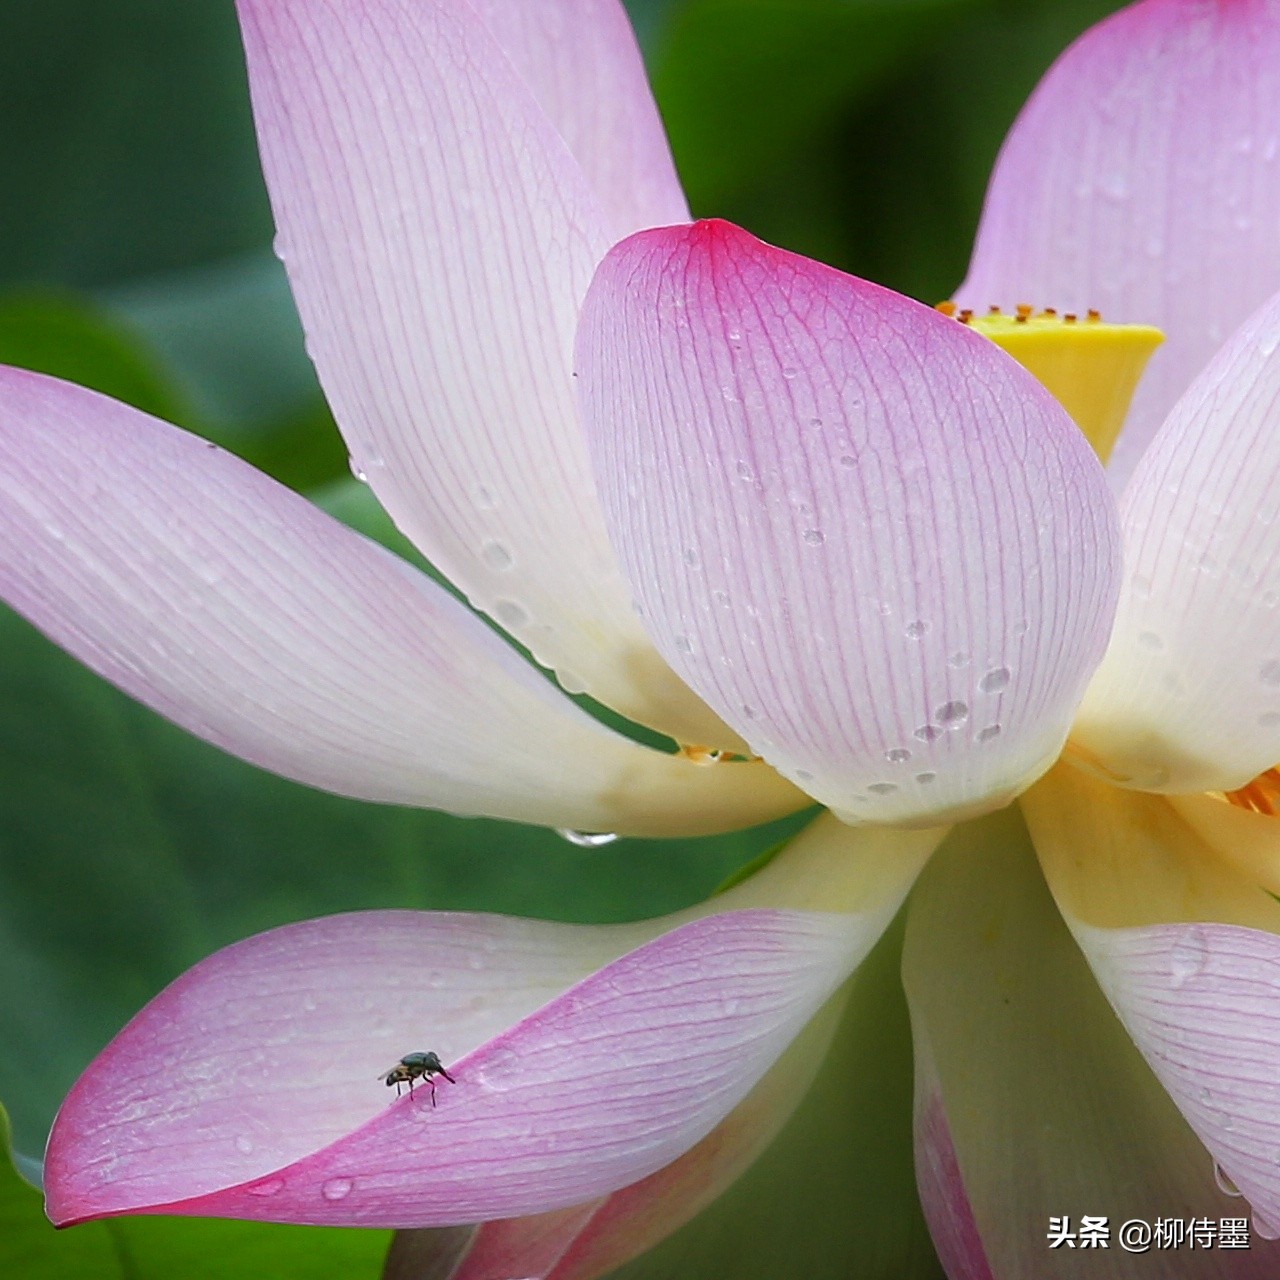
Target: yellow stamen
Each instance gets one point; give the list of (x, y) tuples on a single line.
[(1262, 795), (1091, 367)]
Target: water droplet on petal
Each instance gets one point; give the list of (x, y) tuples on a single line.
[(1225, 1185), (336, 1189), (267, 1187), (510, 614), (995, 680), (498, 1072), (244, 1145), (586, 839), (496, 556), (899, 755), (358, 470), (927, 733), (990, 732), (1189, 956), (1150, 641), (1264, 1228), (683, 644), (814, 537), (914, 630), (952, 714), (883, 788), (1270, 673), (925, 778)]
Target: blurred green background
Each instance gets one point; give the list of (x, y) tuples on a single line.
[(135, 256)]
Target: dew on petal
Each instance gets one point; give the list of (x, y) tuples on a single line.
[(899, 755), (928, 733), (814, 537), (244, 1145), (925, 778), (1270, 673), (848, 460), (744, 471), (683, 644), (483, 498), (496, 556), (883, 788), (692, 558), (510, 613), (952, 714), (587, 839), (995, 680), (336, 1189), (1188, 958), (499, 1071), (268, 1187), (1150, 641), (990, 732), (1225, 1185), (958, 660)]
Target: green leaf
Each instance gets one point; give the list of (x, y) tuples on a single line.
[(163, 1248), (834, 1195), (70, 337), (742, 81), (128, 144)]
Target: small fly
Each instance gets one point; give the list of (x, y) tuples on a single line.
[(416, 1066)]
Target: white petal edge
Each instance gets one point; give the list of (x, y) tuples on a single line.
[(1188, 696)]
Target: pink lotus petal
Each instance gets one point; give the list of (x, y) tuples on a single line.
[(581, 60), (1202, 1003), (1188, 696), (202, 1105), (1142, 178), (942, 1195), (230, 605), (440, 238), (873, 543), (1048, 1107)]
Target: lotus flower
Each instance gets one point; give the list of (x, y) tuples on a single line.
[(867, 550)]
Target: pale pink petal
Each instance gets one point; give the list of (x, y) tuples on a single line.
[(203, 1106), (1143, 179), (1188, 696), (232, 606), (870, 540), (1185, 943), (440, 238), (1202, 1003), (581, 60), (1042, 1098), (942, 1195), (594, 1239)]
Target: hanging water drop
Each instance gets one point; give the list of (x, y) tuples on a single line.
[(587, 839)]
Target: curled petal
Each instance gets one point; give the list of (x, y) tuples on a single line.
[(870, 540), (595, 1089), (1184, 943), (581, 60), (1188, 696), (1032, 1086), (595, 1239), (1142, 179), (582, 1054), (439, 237), (240, 611)]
